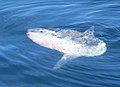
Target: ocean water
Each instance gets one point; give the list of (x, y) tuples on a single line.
[(26, 64)]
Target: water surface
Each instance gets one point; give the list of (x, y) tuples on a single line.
[(26, 64)]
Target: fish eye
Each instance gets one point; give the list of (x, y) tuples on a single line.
[(41, 31)]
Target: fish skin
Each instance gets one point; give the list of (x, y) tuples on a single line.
[(69, 42)]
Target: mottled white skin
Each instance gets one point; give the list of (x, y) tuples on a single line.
[(70, 47)]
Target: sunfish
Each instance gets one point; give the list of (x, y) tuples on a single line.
[(71, 43)]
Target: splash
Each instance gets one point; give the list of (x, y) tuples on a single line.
[(71, 43)]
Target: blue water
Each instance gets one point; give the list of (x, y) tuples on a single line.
[(26, 64)]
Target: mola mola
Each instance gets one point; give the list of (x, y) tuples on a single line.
[(71, 43)]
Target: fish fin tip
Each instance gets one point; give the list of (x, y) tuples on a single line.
[(63, 60), (89, 32)]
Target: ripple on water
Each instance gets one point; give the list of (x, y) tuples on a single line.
[(25, 64)]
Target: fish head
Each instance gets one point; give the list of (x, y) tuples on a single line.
[(40, 32), (41, 36)]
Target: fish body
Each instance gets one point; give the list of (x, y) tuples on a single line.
[(71, 43)]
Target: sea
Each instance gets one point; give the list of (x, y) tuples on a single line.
[(24, 63)]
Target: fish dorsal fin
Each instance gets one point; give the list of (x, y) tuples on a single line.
[(89, 32), (63, 60)]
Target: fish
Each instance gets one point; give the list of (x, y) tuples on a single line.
[(71, 43)]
